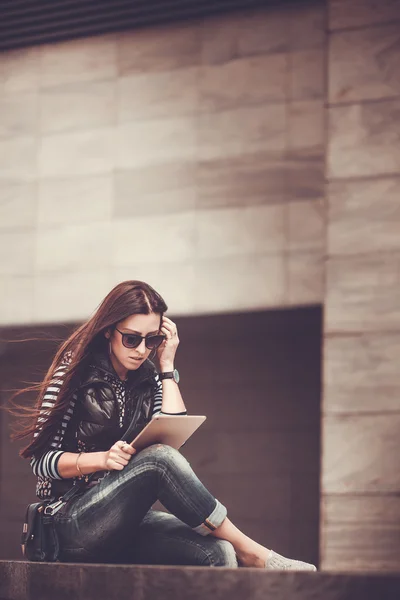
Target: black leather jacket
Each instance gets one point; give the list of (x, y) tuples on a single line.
[(95, 423)]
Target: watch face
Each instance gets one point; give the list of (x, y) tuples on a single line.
[(176, 375)]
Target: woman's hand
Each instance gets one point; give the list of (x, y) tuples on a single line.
[(118, 456), (167, 350)]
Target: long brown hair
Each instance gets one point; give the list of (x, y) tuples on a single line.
[(125, 299)]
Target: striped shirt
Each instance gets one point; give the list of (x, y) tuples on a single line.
[(45, 467)]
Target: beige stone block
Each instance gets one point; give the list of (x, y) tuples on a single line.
[(69, 296), (19, 70), (307, 24), (17, 251), (83, 247), (305, 174), (157, 189), (18, 157), (158, 95), (361, 373), (243, 82), (75, 200), (362, 293), (175, 283), (18, 204), (239, 283), (77, 153), (306, 226), (364, 216), (156, 49), (360, 13), (154, 239), (141, 144), (368, 510), (361, 453), (364, 64), (240, 231), (306, 126), (364, 139), (246, 180), (307, 74), (250, 33), (78, 106), (16, 300), (305, 278), (18, 114), (87, 59), (360, 548), (242, 131)]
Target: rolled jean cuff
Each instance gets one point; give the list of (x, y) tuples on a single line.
[(216, 518)]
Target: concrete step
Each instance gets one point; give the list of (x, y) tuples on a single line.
[(21, 580)]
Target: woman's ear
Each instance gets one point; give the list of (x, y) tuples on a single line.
[(107, 334)]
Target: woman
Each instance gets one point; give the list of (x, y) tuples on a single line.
[(101, 378)]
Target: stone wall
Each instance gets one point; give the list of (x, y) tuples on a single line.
[(360, 516), (184, 155)]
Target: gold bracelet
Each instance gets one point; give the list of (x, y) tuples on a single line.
[(77, 466)]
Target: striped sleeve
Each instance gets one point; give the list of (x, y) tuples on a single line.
[(46, 465), (158, 401)]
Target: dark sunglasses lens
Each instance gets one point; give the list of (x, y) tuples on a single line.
[(153, 341), (130, 340)]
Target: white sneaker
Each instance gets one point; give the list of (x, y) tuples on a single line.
[(278, 562)]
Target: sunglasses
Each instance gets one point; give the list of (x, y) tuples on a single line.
[(132, 340)]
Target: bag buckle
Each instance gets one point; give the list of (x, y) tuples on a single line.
[(51, 509)]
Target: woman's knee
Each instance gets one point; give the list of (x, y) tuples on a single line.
[(223, 554), (161, 453)]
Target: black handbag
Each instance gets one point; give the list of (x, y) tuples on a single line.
[(39, 540)]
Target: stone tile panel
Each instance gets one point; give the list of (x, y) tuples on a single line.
[(305, 272), (145, 143), (306, 226), (77, 153), (158, 95), (363, 294), (364, 216), (158, 189), (152, 238), (364, 64), (361, 373), (360, 13), (307, 74), (81, 60), (78, 106), (17, 251), (240, 231), (241, 131), (18, 114), (69, 296), (364, 139), (246, 180), (361, 454), (18, 204), (305, 126), (243, 82), (83, 200), (157, 49), (74, 247), (19, 70), (250, 282), (18, 158), (16, 300)]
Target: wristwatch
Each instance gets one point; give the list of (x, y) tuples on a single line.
[(170, 375)]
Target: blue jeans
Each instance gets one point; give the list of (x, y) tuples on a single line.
[(113, 521)]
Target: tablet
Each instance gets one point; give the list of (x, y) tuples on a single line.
[(172, 430)]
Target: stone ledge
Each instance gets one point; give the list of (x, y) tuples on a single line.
[(21, 580)]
